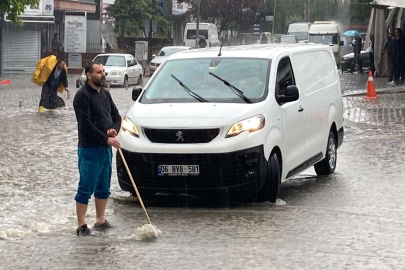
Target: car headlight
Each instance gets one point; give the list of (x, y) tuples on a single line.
[(128, 125), (252, 124), (115, 72)]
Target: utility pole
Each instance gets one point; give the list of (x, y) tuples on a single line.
[(274, 19), (198, 24), (150, 40), (308, 11)]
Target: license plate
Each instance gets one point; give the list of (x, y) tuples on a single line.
[(178, 170)]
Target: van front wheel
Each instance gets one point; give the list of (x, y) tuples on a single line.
[(328, 164), (269, 191)]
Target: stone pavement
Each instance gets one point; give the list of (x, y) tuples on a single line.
[(385, 113), (358, 82)]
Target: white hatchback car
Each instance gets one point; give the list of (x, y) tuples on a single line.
[(241, 121), (119, 68)]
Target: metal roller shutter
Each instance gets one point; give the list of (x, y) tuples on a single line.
[(22, 49)]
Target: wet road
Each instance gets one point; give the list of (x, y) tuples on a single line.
[(354, 219)]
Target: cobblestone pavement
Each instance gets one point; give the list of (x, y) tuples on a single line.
[(387, 113)]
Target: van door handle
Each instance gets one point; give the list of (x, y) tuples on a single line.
[(300, 109)]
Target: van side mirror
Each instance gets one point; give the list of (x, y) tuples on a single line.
[(291, 94), (341, 43), (136, 92), (153, 55)]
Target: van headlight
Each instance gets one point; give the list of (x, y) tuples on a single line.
[(115, 72), (128, 125), (252, 124)]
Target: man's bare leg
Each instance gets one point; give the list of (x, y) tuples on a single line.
[(81, 214), (101, 204)]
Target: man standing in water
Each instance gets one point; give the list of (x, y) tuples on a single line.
[(98, 123), (49, 92)]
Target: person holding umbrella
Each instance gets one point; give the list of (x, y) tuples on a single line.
[(356, 50)]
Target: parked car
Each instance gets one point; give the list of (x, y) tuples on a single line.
[(119, 68), (346, 61), (162, 56), (240, 123), (289, 39)]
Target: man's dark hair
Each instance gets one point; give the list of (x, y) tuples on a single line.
[(89, 66), (399, 31), (61, 60)]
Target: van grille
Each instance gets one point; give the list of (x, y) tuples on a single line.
[(181, 136)]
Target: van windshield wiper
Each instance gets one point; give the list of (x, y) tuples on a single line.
[(191, 93), (238, 92)]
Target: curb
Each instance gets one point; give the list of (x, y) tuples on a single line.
[(392, 90)]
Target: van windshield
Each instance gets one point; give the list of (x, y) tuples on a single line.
[(192, 33), (300, 35), (247, 74), (323, 38)]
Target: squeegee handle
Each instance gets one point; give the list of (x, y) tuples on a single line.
[(133, 183)]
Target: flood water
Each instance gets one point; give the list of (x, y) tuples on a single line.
[(353, 219)]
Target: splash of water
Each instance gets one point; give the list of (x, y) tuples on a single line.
[(147, 232)]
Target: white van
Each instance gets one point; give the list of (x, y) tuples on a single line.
[(239, 123), (300, 30), (326, 32), (208, 30)]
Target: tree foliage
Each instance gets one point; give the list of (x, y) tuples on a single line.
[(130, 15), (14, 8), (242, 14), (228, 14), (288, 11)]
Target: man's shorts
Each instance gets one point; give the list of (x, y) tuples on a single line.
[(95, 173)]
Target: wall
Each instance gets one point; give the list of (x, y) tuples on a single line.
[(93, 36)]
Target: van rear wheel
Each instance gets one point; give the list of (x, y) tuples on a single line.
[(328, 164), (269, 191)]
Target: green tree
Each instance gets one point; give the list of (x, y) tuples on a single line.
[(14, 8), (130, 16), (235, 14)]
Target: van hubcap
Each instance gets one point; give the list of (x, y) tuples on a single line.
[(332, 153)]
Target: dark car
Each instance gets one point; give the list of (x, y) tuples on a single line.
[(346, 61)]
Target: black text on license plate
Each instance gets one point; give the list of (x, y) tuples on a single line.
[(178, 170)]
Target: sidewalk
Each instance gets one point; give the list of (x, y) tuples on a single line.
[(357, 83)]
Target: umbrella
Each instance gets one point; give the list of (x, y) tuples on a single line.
[(352, 33)]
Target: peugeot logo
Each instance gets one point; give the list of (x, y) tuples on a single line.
[(179, 136)]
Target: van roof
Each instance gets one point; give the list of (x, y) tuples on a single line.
[(323, 28), (201, 23), (265, 51)]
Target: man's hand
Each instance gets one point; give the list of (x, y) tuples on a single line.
[(67, 89), (114, 142), (112, 133)]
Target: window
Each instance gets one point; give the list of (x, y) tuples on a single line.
[(285, 76), (110, 60), (192, 33), (250, 75), (323, 38)]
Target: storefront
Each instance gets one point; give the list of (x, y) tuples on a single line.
[(21, 45)]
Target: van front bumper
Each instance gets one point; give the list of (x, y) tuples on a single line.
[(242, 171)]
